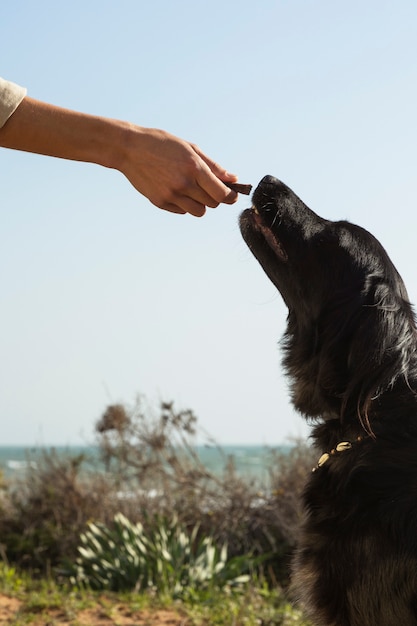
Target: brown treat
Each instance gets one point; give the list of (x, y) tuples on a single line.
[(239, 188)]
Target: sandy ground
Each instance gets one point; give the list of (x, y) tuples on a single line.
[(119, 615)]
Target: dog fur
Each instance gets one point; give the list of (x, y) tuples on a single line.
[(350, 350)]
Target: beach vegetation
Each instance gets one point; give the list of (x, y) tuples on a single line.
[(145, 515), (167, 559)]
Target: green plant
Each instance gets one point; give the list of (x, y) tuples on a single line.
[(257, 605), (10, 580), (167, 558), (44, 601)]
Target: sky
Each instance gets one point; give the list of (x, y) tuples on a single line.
[(102, 295)]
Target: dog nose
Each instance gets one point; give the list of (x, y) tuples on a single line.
[(272, 186), (270, 180)]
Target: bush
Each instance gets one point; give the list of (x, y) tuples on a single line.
[(157, 455), (42, 514), (151, 465)]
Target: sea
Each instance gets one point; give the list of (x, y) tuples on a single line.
[(250, 461)]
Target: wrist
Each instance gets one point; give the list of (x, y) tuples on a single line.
[(113, 142), (120, 140)]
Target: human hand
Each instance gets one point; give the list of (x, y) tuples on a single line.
[(174, 174)]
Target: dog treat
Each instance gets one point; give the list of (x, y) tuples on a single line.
[(239, 188)]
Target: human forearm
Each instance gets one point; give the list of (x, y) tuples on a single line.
[(172, 173), (46, 129)]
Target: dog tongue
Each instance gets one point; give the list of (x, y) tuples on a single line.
[(270, 238)]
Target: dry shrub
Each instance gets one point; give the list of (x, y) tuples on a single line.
[(44, 513), (151, 468), (155, 459), (287, 476)]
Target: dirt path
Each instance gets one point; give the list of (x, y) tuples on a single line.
[(116, 615)]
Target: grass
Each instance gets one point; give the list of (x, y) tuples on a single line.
[(46, 603)]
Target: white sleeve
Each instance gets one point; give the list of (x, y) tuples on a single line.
[(11, 95)]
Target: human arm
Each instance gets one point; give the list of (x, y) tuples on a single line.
[(172, 173)]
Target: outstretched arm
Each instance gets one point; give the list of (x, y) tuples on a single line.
[(172, 173)]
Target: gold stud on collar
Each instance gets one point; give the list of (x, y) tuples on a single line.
[(323, 459), (341, 447)]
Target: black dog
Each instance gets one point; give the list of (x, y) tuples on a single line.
[(351, 353)]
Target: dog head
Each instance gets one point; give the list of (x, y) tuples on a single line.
[(351, 333)]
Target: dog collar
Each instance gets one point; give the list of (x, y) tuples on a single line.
[(341, 447)]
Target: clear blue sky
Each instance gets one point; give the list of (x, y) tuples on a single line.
[(102, 295)]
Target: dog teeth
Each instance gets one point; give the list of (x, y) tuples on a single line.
[(255, 210)]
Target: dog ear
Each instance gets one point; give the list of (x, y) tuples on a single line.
[(382, 349)]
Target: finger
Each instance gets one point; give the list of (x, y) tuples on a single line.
[(187, 198), (213, 187), (200, 196), (171, 208), (189, 192), (210, 177), (186, 205), (217, 169)]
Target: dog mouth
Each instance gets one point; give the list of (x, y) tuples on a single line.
[(269, 236)]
